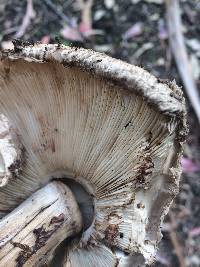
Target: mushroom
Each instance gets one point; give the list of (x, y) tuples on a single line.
[(110, 131)]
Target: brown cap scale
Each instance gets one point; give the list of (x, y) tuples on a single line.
[(105, 124)]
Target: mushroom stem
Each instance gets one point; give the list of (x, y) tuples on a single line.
[(31, 232)]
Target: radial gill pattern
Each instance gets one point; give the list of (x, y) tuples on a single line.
[(80, 125)]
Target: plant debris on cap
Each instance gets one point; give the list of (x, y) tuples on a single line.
[(110, 126)]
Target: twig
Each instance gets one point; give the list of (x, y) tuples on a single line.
[(86, 14), (180, 53), (177, 247), (30, 14), (59, 13), (85, 26)]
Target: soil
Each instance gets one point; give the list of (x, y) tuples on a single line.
[(147, 46)]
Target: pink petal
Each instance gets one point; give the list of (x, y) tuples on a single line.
[(162, 31), (45, 39), (70, 33), (133, 31), (195, 231), (84, 27), (189, 166), (163, 34)]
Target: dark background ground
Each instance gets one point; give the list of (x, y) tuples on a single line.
[(135, 31)]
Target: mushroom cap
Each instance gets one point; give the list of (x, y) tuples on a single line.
[(110, 126)]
